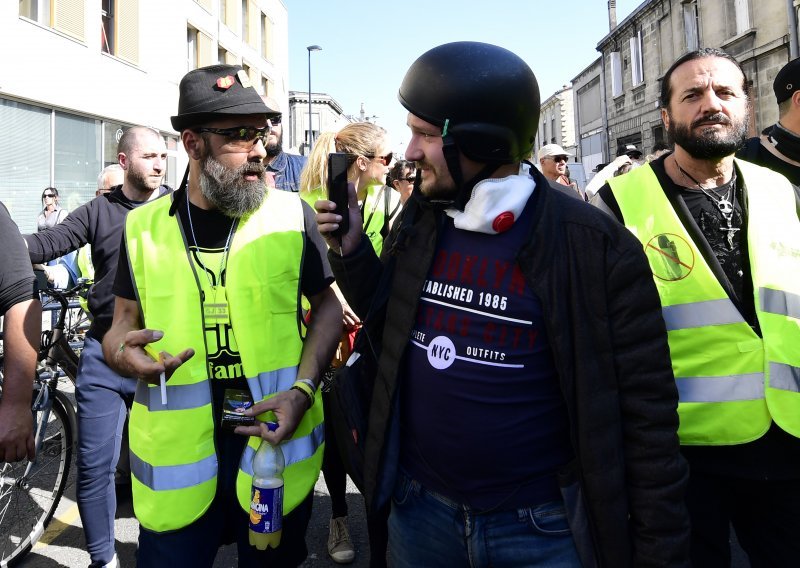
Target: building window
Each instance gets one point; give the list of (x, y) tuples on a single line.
[(742, 15), (616, 74), (245, 20), (553, 129), (691, 25), (66, 16), (191, 51), (77, 158), (589, 102), (120, 29), (199, 49), (637, 67), (25, 144), (36, 10), (107, 30)]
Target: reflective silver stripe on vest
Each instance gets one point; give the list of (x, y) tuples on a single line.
[(779, 302), (271, 382), (295, 450), (721, 389), (179, 397), (700, 314), (784, 377), (167, 477)]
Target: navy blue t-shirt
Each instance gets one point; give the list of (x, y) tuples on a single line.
[(483, 420)]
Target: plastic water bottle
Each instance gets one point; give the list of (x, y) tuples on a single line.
[(266, 497)]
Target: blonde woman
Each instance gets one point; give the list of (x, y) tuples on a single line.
[(369, 157)]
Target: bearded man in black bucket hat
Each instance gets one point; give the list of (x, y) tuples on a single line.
[(212, 279)]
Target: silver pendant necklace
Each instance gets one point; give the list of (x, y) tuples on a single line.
[(725, 203), (224, 258)]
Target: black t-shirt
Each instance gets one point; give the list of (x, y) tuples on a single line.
[(731, 253), (208, 235), (17, 282)]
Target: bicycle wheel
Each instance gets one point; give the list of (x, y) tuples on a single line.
[(28, 500)]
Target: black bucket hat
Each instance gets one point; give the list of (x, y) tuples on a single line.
[(212, 92)]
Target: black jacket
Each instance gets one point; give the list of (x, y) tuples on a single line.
[(100, 223), (624, 491)]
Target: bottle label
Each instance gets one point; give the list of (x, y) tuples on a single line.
[(266, 509)]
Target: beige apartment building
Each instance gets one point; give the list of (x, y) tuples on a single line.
[(557, 121), (77, 73)]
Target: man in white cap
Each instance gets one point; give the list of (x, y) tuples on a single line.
[(553, 163)]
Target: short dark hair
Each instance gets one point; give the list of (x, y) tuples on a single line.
[(666, 89), (52, 189), (397, 170), (128, 139)]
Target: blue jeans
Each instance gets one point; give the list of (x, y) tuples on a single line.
[(103, 400), (428, 529)]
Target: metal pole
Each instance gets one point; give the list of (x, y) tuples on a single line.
[(793, 47), (310, 48)]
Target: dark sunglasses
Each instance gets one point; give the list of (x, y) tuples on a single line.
[(558, 159), (275, 120), (410, 179), (240, 136), (385, 160), (48, 195)]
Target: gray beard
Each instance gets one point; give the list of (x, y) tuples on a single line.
[(226, 189)]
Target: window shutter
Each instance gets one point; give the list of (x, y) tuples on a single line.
[(69, 16), (616, 74), (253, 29), (231, 13), (205, 50), (126, 21), (266, 41)]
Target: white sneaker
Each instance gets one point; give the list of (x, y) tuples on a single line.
[(340, 548)]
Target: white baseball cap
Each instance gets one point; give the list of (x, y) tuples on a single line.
[(552, 150)]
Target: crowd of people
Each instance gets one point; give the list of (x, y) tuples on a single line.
[(557, 383)]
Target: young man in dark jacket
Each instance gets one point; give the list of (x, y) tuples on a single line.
[(524, 409), (104, 396)]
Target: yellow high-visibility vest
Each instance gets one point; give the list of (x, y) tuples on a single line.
[(173, 457), (732, 382)]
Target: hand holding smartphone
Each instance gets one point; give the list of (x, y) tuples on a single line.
[(337, 190)]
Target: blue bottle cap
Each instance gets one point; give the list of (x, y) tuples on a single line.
[(271, 426)]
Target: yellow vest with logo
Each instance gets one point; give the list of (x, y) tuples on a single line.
[(173, 456), (732, 383)]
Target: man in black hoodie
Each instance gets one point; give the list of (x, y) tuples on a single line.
[(103, 395)]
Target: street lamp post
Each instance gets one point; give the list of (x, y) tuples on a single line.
[(310, 48)]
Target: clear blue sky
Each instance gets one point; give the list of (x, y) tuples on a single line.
[(368, 45)]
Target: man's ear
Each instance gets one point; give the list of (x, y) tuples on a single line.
[(796, 98), (665, 118), (193, 143), (123, 160)]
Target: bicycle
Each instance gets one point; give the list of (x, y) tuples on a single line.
[(30, 491)]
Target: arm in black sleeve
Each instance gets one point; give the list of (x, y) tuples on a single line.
[(317, 274), (69, 235), (17, 282), (123, 280), (655, 470)]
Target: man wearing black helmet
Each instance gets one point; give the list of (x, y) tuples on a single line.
[(522, 414)]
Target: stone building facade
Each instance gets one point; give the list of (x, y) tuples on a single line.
[(637, 52), (557, 122)]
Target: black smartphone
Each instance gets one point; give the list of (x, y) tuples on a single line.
[(337, 189)]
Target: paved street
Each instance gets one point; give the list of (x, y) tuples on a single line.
[(63, 543)]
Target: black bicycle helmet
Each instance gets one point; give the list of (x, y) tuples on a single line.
[(485, 96)]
